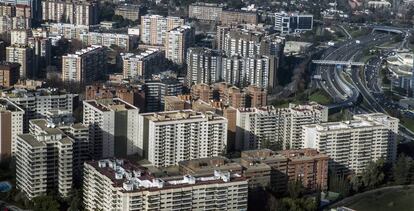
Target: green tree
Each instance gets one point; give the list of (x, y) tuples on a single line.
[(339, 184), (373, 175), (401, 170), (295, 189), (42, 203)]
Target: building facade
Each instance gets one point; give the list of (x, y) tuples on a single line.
[(137, 189), (154, 28), (84, 66), (170, 137)]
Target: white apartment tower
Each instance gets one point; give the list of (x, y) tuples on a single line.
[(85, 65), (167, 138), (22, 55), (154, 28), (177, 42), (136, 189), (281, 127), (113, 127), (139, 65), (352, 145), (44, 161)]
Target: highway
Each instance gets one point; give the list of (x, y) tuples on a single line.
[(346, 86)]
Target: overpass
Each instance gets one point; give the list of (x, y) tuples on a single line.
[(388, 29), (331, 62)]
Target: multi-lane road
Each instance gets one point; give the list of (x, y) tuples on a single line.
[(346, 84)]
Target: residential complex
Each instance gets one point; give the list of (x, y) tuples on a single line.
[(123, 41), (353, 144), (129, 11), (74, 12), (9, 74), (154, 28), (11, 125), (287, 23), (143, 64), (205, 11), (167, 138), (44, 161), (177, 41), (36, 103), (157, 90), (138, 189), (85, 65), (113, 127), (23, 56), (279, 127)]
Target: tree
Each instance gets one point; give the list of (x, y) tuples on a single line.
[(401, 170), (42, 203), (373, 175), (295, 189), (356, 183)]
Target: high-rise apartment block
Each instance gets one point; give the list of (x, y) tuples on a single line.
[(129, 11), (156, 90), (279, 127), (85, 65), (11, 124), (113, 127), (66, 30), (287, 23), (353, 144), (236, 17), (137, 189), (143, 64), (123, 41), (167, 138), (23, 56), (129, 93), (37, 103), (9, 74), (74, 12), (154, 28), (44, 161), (205, 11), (204, 65), (177, 41), (305, 165), (251, 96)]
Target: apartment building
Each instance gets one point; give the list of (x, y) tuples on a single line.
[(157, 90), (84, 66), (204, 65), (209, 66), (129, 11), (391, 123), (304, 165), (9, 23), (154, 28), (11, 124), (143, 64), (278, 127), (113, 127), (23, 56), (74, 12), (236, 17), (177, 41), (287, 23), (353, 144), (138, 189), (131, 94), (9, 74), (66, 30), (205, 11), (44, 161), (42, 53), (123, 41), (36, 103), (170, 137)]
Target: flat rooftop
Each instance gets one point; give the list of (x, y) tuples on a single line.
[(181, 115)]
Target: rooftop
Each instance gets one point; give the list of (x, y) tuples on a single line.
[(133, 178), (181, 115), (115, 104)]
